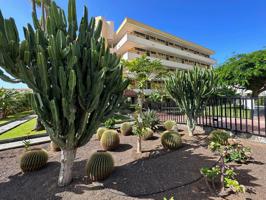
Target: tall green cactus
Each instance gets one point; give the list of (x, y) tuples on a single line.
[(191, 90), (77, 83)]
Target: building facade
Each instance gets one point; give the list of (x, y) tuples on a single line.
[(133, 39)]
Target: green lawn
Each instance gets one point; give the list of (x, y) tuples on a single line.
[(15, 116), (22, 130), (221, 111)]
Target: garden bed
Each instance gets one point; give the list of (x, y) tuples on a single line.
[(156, 174)]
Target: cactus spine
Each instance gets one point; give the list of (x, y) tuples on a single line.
[(191, 90), (126, 128), (99, 166), (110, 140), (33, 159), (171, 140), (77, 83)]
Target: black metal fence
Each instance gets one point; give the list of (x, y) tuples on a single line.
[(238, 114)]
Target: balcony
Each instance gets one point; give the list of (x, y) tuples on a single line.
[(129, 41), (166, 63)]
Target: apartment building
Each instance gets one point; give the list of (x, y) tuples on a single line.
[(133, 39)]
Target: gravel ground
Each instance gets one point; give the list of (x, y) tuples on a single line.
[(153, 175)]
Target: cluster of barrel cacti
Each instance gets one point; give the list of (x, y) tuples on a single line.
[(171, 140), (110, 140), (33, 159), (99, 166)]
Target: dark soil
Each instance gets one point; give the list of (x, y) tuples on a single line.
[(155, 174)]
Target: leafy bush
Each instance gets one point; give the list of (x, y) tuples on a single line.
[(238, 153), (210, 173), (110, 123), (219, 144), (150, 119)]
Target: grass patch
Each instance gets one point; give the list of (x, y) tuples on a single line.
[(15, 117), (22, 130)]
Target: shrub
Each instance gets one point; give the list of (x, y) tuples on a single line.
[(99, 166), (126, 128), (238, 153), (169, 124), (171, 140), (220, 145), (33, 159), (150, 119), (54, 146), (110, 123), (147, 134), (100, 131), (219, 136), (110, 140)]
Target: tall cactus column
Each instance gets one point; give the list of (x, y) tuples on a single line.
[(191, 90), (77, 83)]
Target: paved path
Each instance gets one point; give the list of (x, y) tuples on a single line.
[(11, 145), (16, 123)]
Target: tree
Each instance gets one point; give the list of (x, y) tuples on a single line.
[(191, 90), (7, 102), (143, 69), (76, 82), (245, 71)]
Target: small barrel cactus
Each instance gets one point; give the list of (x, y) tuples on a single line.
[(147, 134), (33, 159), (100, 131), (99, 166), (171, 140), (110, 140), (169, 124), (126, 128), (54, 146), (220, 136)]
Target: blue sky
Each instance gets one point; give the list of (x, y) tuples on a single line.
[(226, 26)]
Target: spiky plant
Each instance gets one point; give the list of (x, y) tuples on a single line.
[(147, 134), (77, 83), (191, 90), (110, 140), (169, 124), (33, 159), (126, 128), (171, 140), (99, 166), (100, 131)]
